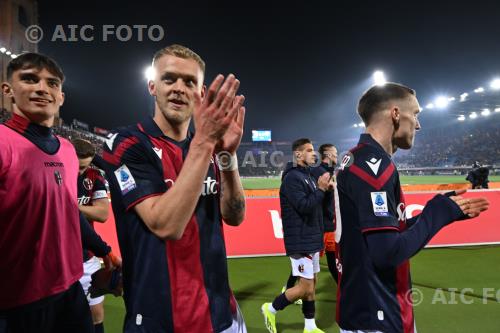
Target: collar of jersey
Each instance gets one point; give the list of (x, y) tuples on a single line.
[(366, 139)]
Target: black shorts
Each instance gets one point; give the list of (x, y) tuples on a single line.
[(64, 312)]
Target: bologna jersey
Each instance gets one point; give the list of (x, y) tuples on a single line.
[(370, 200), (91, 186), (169, 286), (40, 240)]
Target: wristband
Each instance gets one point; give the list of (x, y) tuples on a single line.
[(226, 161)]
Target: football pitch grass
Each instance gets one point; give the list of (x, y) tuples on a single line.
[(457, 290), (275, 182)]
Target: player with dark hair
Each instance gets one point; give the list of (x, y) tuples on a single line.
[(171, 191), (301, 197), (328, 157), (93, 202), (39, 233), (375, 239)]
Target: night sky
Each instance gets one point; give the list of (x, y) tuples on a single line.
[(302, 65)]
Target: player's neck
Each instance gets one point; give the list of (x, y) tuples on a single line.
[(384, 140), (177, 132)]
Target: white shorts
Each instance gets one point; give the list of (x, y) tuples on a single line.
[(90, 267), (238, 325), (305, 266)]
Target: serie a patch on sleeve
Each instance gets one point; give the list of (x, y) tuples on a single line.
[(379, 203), (125, 179)]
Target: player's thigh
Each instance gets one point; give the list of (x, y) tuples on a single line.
[(97, 311), (304, 266)]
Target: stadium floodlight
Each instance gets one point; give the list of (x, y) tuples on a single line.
[(495, 84), (355, 125), (13, 56), (149, 73), (485, 112), (429, 106), (473, 115), (451, 99), (441, 102), (8, 53), (461, 118), (463, 97), (3, 49), (497, 110), (379, 78), (479, 90), (361, 124)]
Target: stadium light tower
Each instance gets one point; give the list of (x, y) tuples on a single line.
[(149, 73), (495, 84), (379, 78)]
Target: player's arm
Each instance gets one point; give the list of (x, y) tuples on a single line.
[(91, 240), (232, 198), (298, 196), (389, 248), (98, 211), (168, 214)]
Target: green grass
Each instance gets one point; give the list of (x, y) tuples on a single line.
[(259, 280), (275, 182)]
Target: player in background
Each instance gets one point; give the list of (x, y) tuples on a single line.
[(39, 230), (328, 161), (93, 202), (301, 198), (171, 190), (375, 239)]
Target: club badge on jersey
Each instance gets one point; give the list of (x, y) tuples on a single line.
[(58, 177)]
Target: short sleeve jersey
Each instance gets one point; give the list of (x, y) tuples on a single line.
[(170, 286)]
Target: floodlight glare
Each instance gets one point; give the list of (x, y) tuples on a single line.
[(361, 124), (8, 53), (355, 125), (3, 49), (485, 112), (461, 118), (463, 97), (441, 102), (479, 90), (473, 115), (429, 106), (149, 73), (13, 56), (379, 78), (497, 110), (495, 84)]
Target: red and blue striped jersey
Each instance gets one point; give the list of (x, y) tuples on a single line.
[(170, 286)]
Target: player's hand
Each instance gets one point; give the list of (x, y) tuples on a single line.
[(106, 282), (324, 181), (112, 262), (471, 207), (232, 138), (213, 115)]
